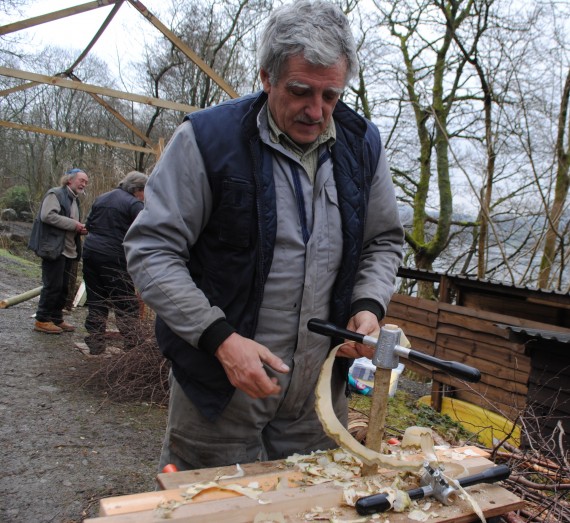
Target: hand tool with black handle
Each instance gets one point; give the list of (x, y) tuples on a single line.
[(388, 350), (435, 486)]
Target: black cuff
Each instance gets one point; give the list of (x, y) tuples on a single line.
[(215, 335), (367, 304)]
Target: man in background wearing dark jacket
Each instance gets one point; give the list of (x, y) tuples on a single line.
[(56, 239), (108, 284)]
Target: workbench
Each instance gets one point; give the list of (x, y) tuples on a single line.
[(288, 498)]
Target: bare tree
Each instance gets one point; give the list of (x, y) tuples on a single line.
[(434, 79), (37, 159), (452, 103), (554, 235), (223, 35)]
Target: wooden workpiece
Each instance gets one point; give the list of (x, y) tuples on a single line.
[(292, 499), (378, 410)]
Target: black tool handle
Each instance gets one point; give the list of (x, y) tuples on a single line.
[(491, 475), (453, 368), (380, 503), (326, 328)]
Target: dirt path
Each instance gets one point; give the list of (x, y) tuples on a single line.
[(63, 444)]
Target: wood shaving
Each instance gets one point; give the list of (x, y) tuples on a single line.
[(336, 430), (239, 474), (476, 508), (197, 488)]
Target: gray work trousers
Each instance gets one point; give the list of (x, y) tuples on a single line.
[(248, 430)]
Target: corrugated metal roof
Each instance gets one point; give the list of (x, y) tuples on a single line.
[(488, 284), (474, 279), (561, 337), (506, 285)]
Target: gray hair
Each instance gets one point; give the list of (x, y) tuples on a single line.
[(317, 30), (69, 175), (133, 181)]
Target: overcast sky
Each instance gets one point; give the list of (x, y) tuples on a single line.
[(124, 36)]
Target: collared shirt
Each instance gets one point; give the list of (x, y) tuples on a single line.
[(74, 208), (308, 156)]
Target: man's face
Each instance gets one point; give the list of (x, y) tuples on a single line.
[(303, 99), (78, 183)]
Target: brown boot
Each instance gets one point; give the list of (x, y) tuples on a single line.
[(66, 327), (48, 327)]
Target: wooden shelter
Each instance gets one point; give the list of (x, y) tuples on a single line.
[(518, 338), (548, 397)]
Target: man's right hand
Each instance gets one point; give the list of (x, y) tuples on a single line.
[(243, 361)]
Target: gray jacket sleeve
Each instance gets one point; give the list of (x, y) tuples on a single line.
[(177, 206), (383, 241), (49, 214)]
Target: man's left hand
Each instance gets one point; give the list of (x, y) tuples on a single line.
[(80, 228), (363, 322)]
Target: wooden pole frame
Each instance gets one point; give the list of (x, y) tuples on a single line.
[(55, 15), (34, 79), (94, 89), (79, 137)]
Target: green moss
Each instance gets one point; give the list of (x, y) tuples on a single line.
[(404, 411), (360, 403)]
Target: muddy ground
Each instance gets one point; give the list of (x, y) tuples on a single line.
[(64, 444)]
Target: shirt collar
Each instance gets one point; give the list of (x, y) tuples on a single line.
[(71, 193), (278, 136)]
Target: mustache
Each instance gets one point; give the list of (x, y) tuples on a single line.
[(308, 121)]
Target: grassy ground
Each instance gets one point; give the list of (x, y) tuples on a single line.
[(404, 411), (30, 268)]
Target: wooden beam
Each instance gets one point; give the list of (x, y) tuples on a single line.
[(89, 139), (98, 34), (290, 502), (17, 88), (148, 501), (183, 47), (552, 300), (89, 88), (56, 15), (139, 6), (123, 120)]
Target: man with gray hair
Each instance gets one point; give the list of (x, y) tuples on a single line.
[(264, 212), (107, 282), (55, 238)]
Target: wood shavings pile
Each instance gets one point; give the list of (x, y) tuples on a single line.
[(333, 466)]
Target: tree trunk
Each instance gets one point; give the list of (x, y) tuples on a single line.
[(560, 191)]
